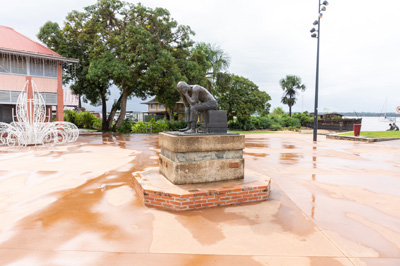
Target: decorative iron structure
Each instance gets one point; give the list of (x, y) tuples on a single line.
[(30, 127)]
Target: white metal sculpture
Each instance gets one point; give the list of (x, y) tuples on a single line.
[(30, 127)]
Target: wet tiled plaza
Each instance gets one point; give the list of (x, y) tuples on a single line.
[(331, 203)]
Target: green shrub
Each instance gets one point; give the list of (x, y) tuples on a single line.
[(151, 127), (255, 121), (304, 118), (139, 127), (85, 119), (82, 119), (265, 122), (288, 121), (98, 124), (159, 126), (275, 126), (235, 124), (175, 125), (125, 128), (70, 116), (248, 125)]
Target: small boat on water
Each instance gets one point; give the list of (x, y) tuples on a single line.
[(383, 117), (335, 121), (387, 119)]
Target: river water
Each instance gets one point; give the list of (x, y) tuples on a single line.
[(372, 123)]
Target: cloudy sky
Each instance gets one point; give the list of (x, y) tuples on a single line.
[(269, 39)]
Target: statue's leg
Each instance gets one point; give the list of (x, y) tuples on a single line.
[(187, 120), (193, 118), (203, 121)]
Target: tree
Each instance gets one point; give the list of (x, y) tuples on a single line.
[(290, 85), (240, 97), (119, 43), (188, 65), (218, 61)]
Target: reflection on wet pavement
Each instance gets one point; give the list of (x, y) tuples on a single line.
[(332, 203)]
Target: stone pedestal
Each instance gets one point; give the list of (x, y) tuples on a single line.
[(198, 158), (190, 166)]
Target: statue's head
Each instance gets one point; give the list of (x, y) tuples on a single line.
[(182, 86)]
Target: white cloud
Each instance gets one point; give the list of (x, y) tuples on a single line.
[(267, 40)]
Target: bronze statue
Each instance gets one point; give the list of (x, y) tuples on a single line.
[(196, 100)]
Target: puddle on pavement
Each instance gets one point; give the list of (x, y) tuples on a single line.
[(256, 143), (289, 218), (260, 155), (84, 209), (201, 260), (288, 146), (204, 224), (289, 158)]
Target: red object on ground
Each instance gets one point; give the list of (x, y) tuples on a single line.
[(357, 129)]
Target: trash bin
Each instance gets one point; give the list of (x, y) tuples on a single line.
[(357, 129)]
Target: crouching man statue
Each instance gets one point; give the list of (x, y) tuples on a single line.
[(196, 100)]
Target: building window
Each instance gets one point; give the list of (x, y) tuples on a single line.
[(161, 105), (36, 67), (18, 65), (50, 69), (4, 63), (152, 106)]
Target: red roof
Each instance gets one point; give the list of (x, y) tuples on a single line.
[(14, 41)]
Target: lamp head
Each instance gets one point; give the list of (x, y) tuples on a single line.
[(323, 8), (314, 35), (312, 30), (325, 3), (315, 22)]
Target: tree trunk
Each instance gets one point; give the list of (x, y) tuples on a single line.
[(79, 102), (112, 113), (122, 113), (170, 113), (104, 124)]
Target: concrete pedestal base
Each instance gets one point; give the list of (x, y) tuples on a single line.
[(201, 158), (156, 191)]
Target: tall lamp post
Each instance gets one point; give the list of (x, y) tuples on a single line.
[(316, 33)]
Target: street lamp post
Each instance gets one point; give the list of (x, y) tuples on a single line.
[(317, 34)]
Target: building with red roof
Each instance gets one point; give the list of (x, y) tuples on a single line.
[(23, 59)]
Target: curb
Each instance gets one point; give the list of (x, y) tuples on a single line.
[(358, 138)]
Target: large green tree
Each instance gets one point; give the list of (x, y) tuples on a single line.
[(240, 97), (131, 46), (290, 86)]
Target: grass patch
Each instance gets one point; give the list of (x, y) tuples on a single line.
[(88, 130), (375, 134), (251, 132)]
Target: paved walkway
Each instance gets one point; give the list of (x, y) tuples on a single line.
[(332, 203)]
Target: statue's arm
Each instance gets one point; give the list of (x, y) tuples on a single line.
[(194, 99), (185, 101)]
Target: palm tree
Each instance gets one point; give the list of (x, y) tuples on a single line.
[(219, 61), (290, 85)]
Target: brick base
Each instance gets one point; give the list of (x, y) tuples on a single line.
[(154, 190)]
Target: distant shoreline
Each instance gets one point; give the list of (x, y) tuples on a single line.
[(366, 114)]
